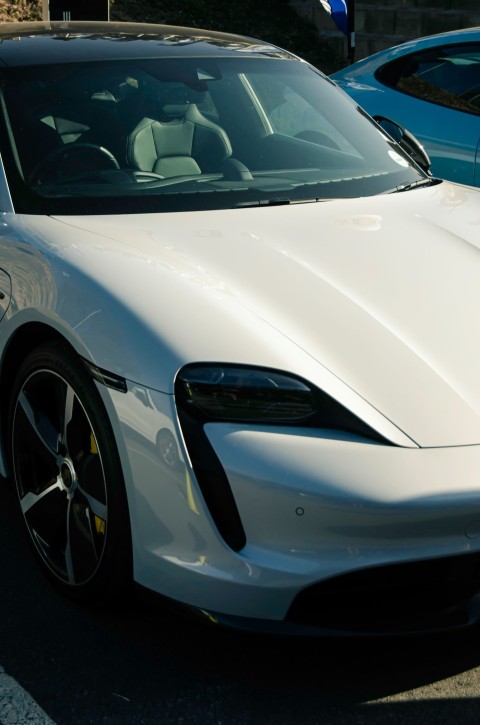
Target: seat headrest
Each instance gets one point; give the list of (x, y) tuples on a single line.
[(190, 135)]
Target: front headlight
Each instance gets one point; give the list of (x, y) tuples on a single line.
[(209, 393), (241, 394), (244, 394)]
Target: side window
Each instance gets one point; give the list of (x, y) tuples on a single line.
[(448, 76), (288, 113)]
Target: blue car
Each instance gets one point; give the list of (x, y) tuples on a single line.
[(432, 87)]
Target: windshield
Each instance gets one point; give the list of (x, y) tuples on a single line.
[(172, 134)]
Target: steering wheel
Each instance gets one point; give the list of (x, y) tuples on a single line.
[(72, 160)]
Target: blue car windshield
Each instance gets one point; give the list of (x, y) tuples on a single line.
[(172, 134)]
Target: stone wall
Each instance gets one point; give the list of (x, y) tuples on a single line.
[(394, 21)]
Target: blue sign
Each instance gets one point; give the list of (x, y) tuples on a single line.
[(338, 10)]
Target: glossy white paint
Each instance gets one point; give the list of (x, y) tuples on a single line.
[(372, 300), (360, 278), (314, 504)]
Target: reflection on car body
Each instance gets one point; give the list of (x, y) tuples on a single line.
[(237, 365)]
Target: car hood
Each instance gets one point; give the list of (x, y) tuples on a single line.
[(383, 292)]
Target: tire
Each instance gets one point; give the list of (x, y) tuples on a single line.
[(68, 477)]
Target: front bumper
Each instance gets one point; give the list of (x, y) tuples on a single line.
[(327, 519)]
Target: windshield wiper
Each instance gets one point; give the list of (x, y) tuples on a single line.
[(433, 181), (277, 201)]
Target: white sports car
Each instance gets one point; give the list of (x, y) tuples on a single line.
[(240, 363)]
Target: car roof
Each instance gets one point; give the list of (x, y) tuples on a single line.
[(452, 37), (372, 62), (33, 43)]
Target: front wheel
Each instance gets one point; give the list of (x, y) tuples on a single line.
[(68, 476)]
